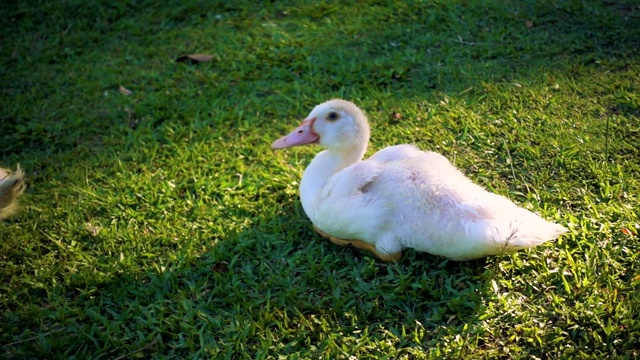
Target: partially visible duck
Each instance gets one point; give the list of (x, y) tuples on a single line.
[(12, 185), (402, 197)]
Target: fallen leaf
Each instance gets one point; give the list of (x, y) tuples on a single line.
[(194, 58), (125, 91), (395, 116), (635, 278), (93, 229), (529, 23), (133, 124), (627, 231), (220, 267)]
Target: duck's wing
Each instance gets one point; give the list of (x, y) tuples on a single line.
[(359, 200), (347, 209), (353, 180), (397, 153), (357, 178)]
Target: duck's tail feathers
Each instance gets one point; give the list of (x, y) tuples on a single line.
[(529, 230), (12, 184)]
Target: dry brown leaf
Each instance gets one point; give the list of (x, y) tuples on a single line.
[(220, 267), (125, 91), (194, 58), (627, 231), (93, 230), (133, 124), (529, 23), (395, 116), (635, 278)]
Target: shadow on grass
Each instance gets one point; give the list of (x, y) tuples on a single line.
[(274, 288), (258, 292)]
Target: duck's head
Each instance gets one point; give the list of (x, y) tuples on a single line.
[(336, 124)]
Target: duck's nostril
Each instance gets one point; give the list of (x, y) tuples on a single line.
[(300, 131)]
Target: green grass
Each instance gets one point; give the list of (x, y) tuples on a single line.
[(162, 225)]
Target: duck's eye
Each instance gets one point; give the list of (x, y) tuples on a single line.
[(332, 116)]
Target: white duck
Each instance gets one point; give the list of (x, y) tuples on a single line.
[(402, 197)]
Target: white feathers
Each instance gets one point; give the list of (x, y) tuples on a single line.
[(11, 187)]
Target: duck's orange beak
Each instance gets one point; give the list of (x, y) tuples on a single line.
[(302, 135)]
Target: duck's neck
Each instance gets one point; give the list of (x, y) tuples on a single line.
[(322, 167)]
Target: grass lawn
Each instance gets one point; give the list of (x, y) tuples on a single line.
[(160, 224)]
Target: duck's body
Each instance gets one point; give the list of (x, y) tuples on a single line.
[(11, 187), (402, 197)]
